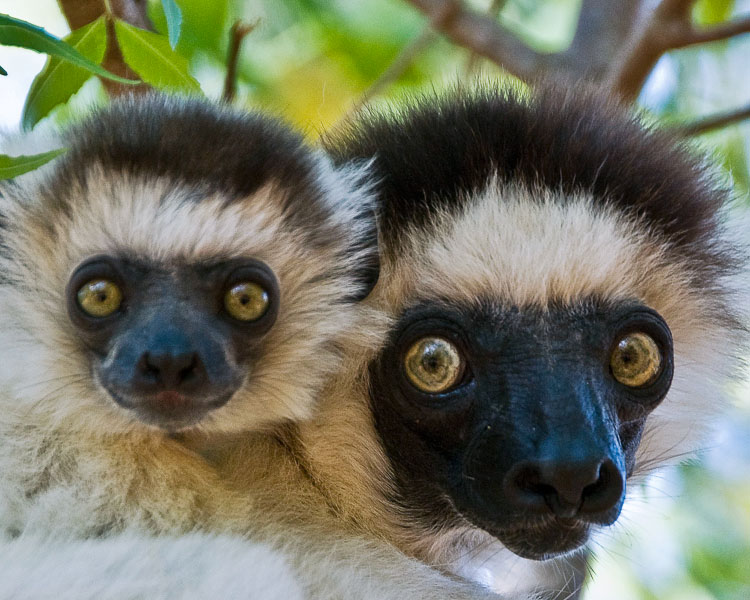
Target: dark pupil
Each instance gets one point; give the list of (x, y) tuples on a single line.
[(433, 360), (102, 296), (629, 355), (244, 299)]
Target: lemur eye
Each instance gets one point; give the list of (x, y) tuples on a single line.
[(99, 298), (636, 360), (246, 301), (433, 365)]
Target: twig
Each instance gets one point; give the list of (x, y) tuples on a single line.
[(402, 61), (714, 34), (237, 34), (493, 13), (82, 12), (399, 65), (482, 35), (714, 122)]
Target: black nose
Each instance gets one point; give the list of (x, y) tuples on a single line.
[(568, 489), (181, 371)]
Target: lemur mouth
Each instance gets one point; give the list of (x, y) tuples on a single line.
[(547, 540), (169, 410)]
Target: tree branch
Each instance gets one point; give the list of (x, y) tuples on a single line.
[(399, 64), (714, 34), (237, 34), (668, 27), (82, 12), (482, 35), (599, 33), (713, 122)]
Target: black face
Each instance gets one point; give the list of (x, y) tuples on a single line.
[(525, 423), (172, 345)]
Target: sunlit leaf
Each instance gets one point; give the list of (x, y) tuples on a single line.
[(203, 29), (14, 32), (150, 55), (173, 14), (13, 166), (710, 12), (59, 79)]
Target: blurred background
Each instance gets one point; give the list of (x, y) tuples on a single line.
[(687, 537)]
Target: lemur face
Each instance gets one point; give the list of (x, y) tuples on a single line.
[(525, 422), (172, 345), (182, 265)]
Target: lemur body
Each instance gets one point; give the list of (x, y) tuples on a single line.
[(567, 303)]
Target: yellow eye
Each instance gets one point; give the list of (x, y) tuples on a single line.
[(246, 301), (99, 298), (636, 360), (433, 365)]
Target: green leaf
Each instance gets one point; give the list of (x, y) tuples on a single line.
[(150, 55), (711, 12), (13, 166), (59, 79), (14, 32), (3, 71), (173, 15)]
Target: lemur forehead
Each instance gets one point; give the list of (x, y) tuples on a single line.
[(160, 220), (532, 248)]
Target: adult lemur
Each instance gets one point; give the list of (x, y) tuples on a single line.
[(566, 305), (561, 295)]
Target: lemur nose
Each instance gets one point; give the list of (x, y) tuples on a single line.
[(568, 489), (181, 371)]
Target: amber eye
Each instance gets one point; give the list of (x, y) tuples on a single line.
[(433, 365), (246, 301), (636, 360), (99, 298)]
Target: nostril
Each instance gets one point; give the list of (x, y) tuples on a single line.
[(605, 493), (147, 369), (190, 372), (565, 489), (181, 372), (523, 487)]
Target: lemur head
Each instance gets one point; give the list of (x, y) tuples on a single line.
[(181, 265), (560, 285)]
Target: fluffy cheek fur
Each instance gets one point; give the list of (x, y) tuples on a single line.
[(524, 252), (47, 371)]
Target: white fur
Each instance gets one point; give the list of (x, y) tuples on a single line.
[(129, 567)]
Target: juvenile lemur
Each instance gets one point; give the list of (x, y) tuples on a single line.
[(181, 266)]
